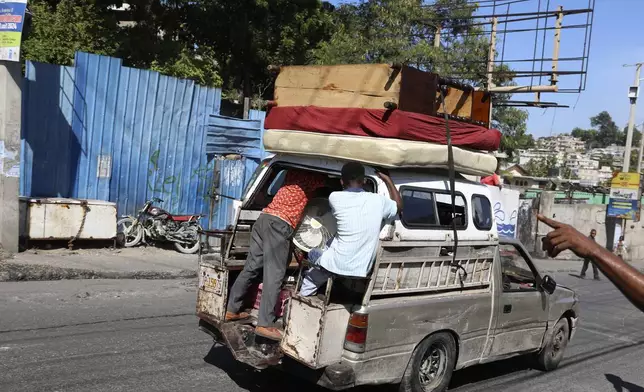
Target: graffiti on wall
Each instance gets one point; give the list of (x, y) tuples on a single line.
[(506, 210), (160, 184)]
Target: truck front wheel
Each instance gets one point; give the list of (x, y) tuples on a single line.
[(553, 351), (431, 365)]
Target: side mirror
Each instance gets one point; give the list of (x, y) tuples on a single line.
[(548, 284)]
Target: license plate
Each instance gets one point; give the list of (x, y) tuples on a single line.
[(214, 285), (211, 283)]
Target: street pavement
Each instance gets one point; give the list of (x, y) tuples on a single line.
[(141, 335), (101, 263)]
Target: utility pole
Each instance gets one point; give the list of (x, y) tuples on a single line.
[(12, 14), (639, 161), (632, 95), (10, 115)]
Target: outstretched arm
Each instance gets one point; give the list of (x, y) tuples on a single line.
[(626, 278), (393, 192)]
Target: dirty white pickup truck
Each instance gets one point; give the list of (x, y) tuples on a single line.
[(423, 312)]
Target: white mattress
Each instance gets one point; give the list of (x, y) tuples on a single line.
[(383, 152)]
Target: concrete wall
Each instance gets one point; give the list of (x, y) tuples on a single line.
[(583, 217)]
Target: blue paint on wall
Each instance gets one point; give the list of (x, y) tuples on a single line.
[(99, 130)]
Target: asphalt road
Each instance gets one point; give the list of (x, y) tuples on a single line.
[(125, 335)]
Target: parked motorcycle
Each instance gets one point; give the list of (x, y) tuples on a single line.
[(152, 224)]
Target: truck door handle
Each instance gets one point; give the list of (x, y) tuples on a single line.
[(507, 308)]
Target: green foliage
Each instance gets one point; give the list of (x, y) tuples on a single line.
[(200, 68), (539, 167), (64, 27), (605, 132), (512, 124), (248, 35), (403, 31)]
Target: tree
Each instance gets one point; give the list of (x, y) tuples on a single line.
[(512, 124), (60, 28), (403, 31), (606, 160), (539, 167), (604, 132), (607, 131), (248, 35)]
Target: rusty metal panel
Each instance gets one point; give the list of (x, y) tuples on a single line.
[(212, 294), (314, 332), (334, 328), (59, 218), (303, 330)]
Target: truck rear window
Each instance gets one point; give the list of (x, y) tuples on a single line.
[(432, 209), (482, 212)]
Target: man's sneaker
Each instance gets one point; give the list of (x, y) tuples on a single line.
[(230, 316), (582, 276), (597, 278), (269, 333)]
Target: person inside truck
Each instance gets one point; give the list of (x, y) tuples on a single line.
[(626, 278), (269, 249), (360, 216)]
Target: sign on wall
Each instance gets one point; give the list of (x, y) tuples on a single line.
[(624, 199), (12, 16), (505, 207)]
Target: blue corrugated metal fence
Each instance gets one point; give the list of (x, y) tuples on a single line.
[(99, 130)]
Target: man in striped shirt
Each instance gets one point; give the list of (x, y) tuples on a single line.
[(360, 216)]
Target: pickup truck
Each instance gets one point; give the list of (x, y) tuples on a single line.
[(427, 308)]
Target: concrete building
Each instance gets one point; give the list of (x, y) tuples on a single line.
[(561, 143), (594, 177), (525, 156)]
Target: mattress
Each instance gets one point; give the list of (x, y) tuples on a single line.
[(395, 124), (390, 153)]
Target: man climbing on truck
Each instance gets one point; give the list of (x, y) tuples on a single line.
[(360, 216), (269, 249)]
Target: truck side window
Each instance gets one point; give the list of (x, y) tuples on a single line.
[(418, 208), (482, 212), (515, 271), (432, 209)]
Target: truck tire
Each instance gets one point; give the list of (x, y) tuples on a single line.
[(553, 351), (431, 365)]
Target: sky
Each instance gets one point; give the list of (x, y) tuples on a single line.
[(617, 39)]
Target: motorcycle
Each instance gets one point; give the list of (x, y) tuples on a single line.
[(154, 224)]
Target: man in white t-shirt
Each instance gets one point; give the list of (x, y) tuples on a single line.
[(360, 217)]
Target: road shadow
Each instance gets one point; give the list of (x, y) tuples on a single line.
[(621, 385), (479, 373), (251, 379), (268, 380)]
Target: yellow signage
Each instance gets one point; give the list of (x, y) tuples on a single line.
[(625, 181)]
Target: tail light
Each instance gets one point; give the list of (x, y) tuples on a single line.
[(356, 335)]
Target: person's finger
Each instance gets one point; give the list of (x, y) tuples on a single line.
[(557, 241), (546, 245), (560, 248), (552, 223)]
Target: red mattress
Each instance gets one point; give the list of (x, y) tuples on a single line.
[(396, 124)]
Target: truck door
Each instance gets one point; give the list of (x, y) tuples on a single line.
[(522, 308)]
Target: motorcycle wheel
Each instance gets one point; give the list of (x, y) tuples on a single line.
[(190, 248), (187, 249), (133, 233)]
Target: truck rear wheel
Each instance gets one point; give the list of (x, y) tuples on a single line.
[(553, 351), (431, 365)]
